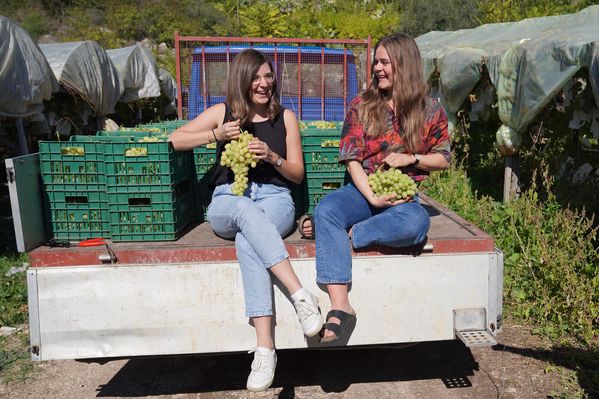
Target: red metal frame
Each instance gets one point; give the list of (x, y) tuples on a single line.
[(299, 80), (251, 41), (322, 83), (178, 73)]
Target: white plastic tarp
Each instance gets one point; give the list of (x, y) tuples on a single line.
[(85, 69), (528, 61), (138, 72), (26, 79)]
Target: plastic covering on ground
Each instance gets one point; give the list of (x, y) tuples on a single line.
[(26, 79), (528, 61), (168, 84), (84, 68), (138, 72)]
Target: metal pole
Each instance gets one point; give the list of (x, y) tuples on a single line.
[(299, 82), (178, 73), (22, 138), (322, 93)]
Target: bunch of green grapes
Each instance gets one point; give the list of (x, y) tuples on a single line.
[(238, 157), (392, 181), (323, 124)]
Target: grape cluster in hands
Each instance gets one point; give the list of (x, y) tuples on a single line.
[(238, 157), (392, 181)]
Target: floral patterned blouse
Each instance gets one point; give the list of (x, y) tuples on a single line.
[(356, 145)]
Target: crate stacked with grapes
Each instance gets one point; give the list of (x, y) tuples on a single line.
[(150, 188), (75, 189), (324, 173)]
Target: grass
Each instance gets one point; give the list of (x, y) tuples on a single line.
[(14, 348)]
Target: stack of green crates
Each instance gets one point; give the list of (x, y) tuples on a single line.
[(150, 189), (324, 173), (205, 163), (75, 189)]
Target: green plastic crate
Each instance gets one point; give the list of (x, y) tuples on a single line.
[(71, 166), (75, 215), (154, 166), (319, 184), (204, 160), (151, 216)]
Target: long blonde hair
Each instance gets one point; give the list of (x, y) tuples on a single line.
[(239, 85), (408, 93)]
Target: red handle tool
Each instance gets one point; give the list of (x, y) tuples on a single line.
[(92, 242)]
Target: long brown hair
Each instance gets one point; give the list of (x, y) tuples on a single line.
[(408, 93), (239, 85)]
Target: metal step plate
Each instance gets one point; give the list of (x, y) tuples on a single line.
[(476, 338)]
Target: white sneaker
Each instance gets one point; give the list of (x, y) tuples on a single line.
[(263, 369), (309, 314)]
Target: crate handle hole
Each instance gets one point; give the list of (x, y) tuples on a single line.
[(140, 201), (331, 185), (136, 152), (74, 151), (76, 200)]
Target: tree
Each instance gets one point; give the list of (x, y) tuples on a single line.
[(419, 17)]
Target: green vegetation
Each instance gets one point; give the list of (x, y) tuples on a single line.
[(14, 356)]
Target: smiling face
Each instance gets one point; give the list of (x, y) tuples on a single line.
[(383, 69), (262, 84)]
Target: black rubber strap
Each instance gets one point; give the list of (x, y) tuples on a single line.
[(340, 314), (334, 327)]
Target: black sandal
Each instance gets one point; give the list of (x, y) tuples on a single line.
[(338, 329), (300, 226)]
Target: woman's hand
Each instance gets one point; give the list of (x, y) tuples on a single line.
[(396, 160), (228, 131), (261, 150), (385, 201)]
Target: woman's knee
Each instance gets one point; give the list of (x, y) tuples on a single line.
[(327, 208), (417, 223)]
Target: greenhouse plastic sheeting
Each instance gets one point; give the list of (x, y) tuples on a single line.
[(26, 79), (528, 61), (168, 84), (138, 72), (85, 69)]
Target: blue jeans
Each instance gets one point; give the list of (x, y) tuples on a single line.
[(397, 226), (257, 221)]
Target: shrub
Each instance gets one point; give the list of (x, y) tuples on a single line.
[(551, 264)]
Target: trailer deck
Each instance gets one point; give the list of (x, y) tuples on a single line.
[(448, 234)]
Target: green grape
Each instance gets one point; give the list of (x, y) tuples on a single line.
[(238, 158), (392, 181)]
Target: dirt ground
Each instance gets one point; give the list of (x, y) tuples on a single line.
[(520, 366)]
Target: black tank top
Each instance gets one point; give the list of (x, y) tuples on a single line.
[(272, 133)]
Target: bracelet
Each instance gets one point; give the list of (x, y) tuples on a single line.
[(214, 134)]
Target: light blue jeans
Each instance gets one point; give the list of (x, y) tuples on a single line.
[(257, 221), (397, 226)]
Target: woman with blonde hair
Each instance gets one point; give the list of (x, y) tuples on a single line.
[(393, 123), (265, 212)]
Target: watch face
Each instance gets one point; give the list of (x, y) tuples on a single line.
[(279, 161)]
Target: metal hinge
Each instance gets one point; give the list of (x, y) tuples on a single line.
[(10, 175)]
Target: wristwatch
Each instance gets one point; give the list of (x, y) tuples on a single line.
[(416, 159), (278, 162)]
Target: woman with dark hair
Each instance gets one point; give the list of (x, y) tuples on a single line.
[(395, 123), (265, 212)]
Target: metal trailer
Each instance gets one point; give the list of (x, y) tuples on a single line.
[(186, 296)]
